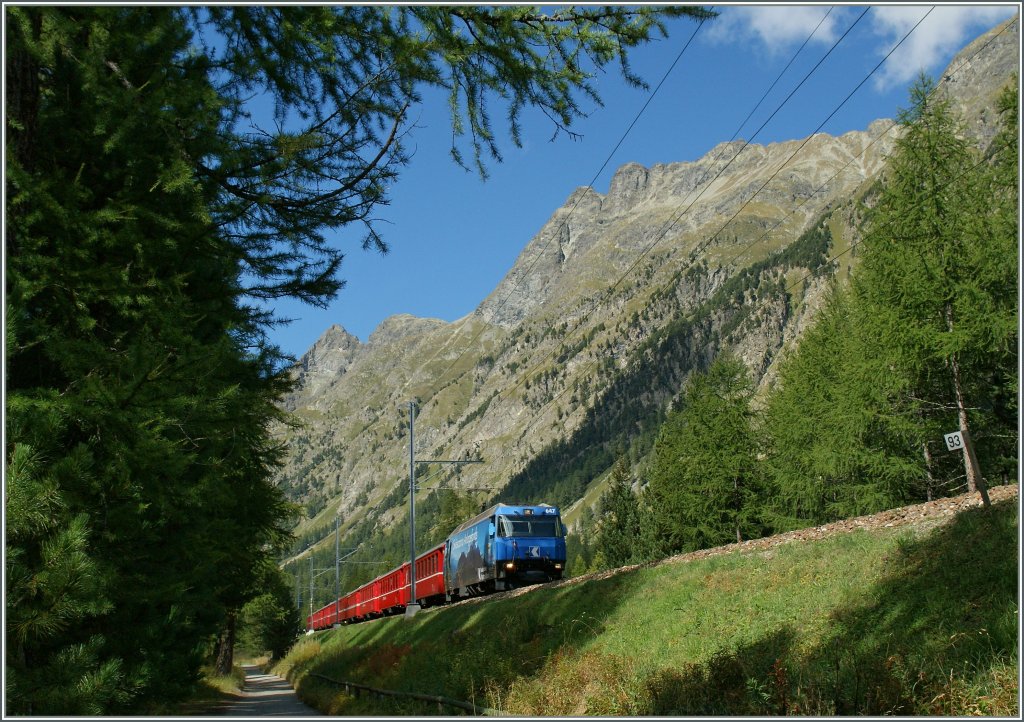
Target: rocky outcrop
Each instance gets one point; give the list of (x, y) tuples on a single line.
[(332, 353), (402, 327), (628, 187), (323, 365), (592, 239), (977, 75)]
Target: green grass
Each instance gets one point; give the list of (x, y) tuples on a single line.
[(871, 622)]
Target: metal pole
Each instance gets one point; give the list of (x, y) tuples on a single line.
[(412, 607), (337, 562), (311, 589)]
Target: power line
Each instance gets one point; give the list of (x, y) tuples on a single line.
[(664, 231), (661, 234), (949, 183), (538, 415), (886, 132), (565, 221), (808, 139)]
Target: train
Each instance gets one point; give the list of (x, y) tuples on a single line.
[(502, 548)]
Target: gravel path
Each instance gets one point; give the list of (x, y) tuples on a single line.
[(266, 695)]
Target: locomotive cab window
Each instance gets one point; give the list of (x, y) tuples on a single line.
[(530, 526)]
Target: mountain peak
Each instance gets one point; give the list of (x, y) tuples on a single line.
[(331, 354), (628, 187)]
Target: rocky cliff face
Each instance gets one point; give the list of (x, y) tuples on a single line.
[(977, 75), (592, 239), (324, 365), (609, 307)]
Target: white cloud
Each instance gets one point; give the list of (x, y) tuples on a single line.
[(944, 32), (778, 28)]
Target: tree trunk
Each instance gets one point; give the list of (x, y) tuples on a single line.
[(226, 646), (739, 507), (975, 481), (930, 480)]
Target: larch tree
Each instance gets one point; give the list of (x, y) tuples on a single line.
[(619, 530), (936, 282), (835, 444), (705, 483)]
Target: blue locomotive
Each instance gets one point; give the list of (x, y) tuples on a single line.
[(506, 546)]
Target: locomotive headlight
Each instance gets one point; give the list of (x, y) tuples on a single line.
[(510, 566), (558, 566)]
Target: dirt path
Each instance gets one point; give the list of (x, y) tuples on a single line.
[(265, 695)]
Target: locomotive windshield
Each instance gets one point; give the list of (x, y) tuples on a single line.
[(529, 526)]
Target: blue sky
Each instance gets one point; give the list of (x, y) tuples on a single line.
[(454, 236)]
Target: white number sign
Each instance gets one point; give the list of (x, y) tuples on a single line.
[(954, 442)]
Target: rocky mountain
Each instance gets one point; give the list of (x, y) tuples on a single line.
[(575, 356)]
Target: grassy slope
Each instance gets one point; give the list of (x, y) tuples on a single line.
[(908, 621)]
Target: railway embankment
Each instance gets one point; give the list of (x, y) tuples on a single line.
[(910, 611)]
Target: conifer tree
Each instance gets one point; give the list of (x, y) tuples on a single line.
[(268, 622), (455, 508), (856, 421), (835, 445), (347, 79), (52, 585), (940, 304), (579, 544), (995, 232), (705, 487), (619, 530)]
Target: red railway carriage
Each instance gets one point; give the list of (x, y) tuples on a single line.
[(430, 576), (347, 607), (365, 607), (387, 594), (392, 592)]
